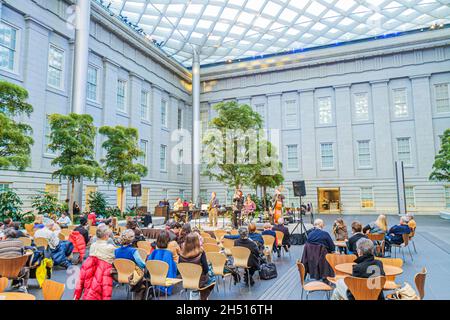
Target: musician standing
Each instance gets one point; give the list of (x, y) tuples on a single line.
[(213, 210), (238, 204)]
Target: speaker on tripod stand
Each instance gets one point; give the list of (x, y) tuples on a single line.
[(301, 237)]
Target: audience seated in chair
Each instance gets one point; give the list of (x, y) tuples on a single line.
[(366, 267), (193, 253), (253, 260), (319, 236), (287, 235), (357, 234), (12, 247), (395, 234)]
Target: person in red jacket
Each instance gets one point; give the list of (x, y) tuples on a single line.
[(96, 282), (92, 217), (79, 244)]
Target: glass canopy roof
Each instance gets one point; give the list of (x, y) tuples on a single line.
[(228, 30)]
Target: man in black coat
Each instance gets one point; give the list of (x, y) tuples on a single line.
[(287, 236), (253, 260), (366, 267), (357, 234)]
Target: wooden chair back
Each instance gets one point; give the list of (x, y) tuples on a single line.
[(234, 232), (217, 261), (376, 236), (143, 254), (228, 243), (241, 256), (3, 284), (210, 240), (190, 274), (268, 240), (26, 241), (219, 234), (61, 237), (158, 272), (10, 267), (205, 235), (92, 231), (301, 271), (365, 289), (41, 242), (280, 237), (66, 232), (419, 280), (145, 245), (30, 228), (334, 259), (211, 247), (125, 269), (52, 290)]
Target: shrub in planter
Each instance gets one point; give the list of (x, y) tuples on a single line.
[(10, 206), (97, 203), (45, 203)]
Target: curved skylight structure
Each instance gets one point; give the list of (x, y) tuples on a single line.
[(226, 30)]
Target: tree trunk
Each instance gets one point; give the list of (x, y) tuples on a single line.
[(71, 198), (264, 198), (122, 196)]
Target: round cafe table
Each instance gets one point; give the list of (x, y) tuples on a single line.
[(388, 270), (16, 296)]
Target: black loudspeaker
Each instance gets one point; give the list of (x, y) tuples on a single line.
[(136, 190), (299, 188)]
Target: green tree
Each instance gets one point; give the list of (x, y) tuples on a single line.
[(268, 171), (122, 152), (46, 203), (15, 139), (441, 166), (227, 146), (72, 137)]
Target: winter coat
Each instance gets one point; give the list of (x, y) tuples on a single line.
[(79, 245), (61, 252), (315, 263), (95, 282)]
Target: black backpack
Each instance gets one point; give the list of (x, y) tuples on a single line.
[(268, 271)]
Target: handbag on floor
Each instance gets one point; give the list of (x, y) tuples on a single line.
[(405, 293), (268, 271)]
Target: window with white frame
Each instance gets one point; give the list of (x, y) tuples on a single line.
[(447, 197), (122, 95), (367, 199), (163, 113), (92, 85), (143, 145), (204, 120), (291, 114), (260, 108), (364, 160), (292, 157), (325, 111), (404, 150), (8, 43), (442, 97), (145, 105), (47, 132), (55, 67), (180, 118), (327, 155), (361, 106), (163, 158), (4, 186), (400, 102), (410, 197), (180, 161)]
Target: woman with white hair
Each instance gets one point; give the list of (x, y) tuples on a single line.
[(366, 267), (127, 251)]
